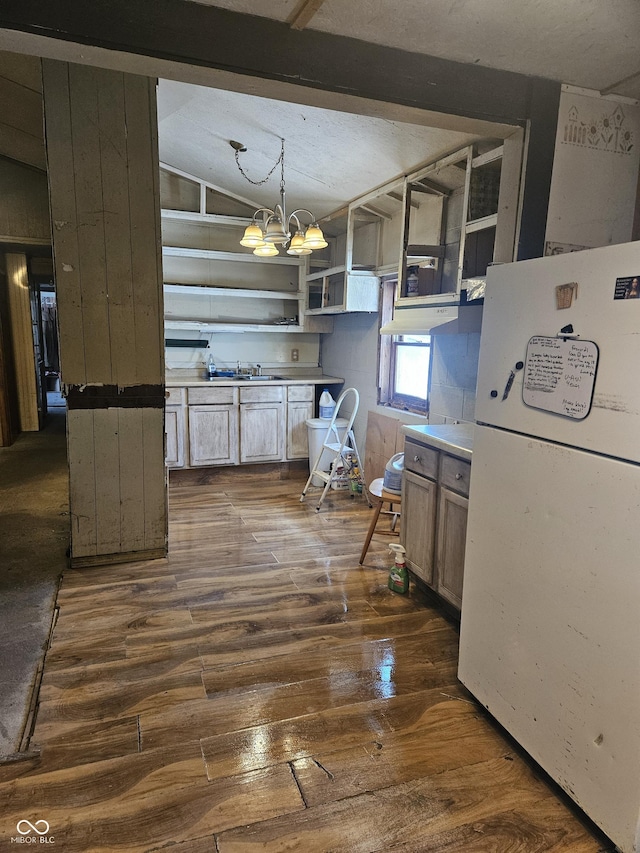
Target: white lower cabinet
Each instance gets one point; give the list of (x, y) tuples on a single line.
[(174, 432), (213, 426), (261, 423), (213, 435), (231, 425), (297, 436), (261, 432), (299, 411)]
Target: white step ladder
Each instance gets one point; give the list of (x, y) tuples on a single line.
[(344, 450)]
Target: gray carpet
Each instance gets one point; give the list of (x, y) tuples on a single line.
[(34, 537)]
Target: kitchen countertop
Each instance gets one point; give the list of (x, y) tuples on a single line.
[(456, 439), (194, 381)]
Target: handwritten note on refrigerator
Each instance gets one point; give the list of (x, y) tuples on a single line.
[(559, 375)]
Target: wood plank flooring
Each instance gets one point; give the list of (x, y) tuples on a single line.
[(259, 690)]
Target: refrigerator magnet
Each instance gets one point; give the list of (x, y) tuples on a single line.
[(565, 294), (627, 287)]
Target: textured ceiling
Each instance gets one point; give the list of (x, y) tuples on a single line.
[(330, 157), (589, 43), (334, 157)]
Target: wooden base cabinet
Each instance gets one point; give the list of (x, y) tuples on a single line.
[(299, 411), (261, 432), (434, 518), (174, 431), (261, 423), (451, 537), (418, 526), (233, 425), (213, 435)]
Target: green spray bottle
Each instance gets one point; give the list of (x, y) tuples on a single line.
[(398, 576)]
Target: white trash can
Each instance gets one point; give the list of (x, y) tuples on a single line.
[(316, 431)]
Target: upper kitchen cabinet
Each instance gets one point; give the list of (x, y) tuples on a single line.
[(460, 215), (213, 283), (364, 240)]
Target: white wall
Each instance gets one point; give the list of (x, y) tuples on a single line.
[(271, 350), (453, 378), (595, 172)]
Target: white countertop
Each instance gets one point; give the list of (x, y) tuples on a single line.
[(196, 379), (456, 439)]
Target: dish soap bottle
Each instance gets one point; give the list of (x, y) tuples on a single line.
[(398, 576), (211, 367)]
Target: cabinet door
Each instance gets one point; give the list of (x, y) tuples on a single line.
[(452, 533), (213, 435), (418, 526), (174, 431), (297, 438), (261, 432)]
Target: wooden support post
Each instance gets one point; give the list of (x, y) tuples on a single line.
[(101, 134)]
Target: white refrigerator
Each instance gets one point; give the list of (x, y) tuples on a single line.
[(550, 626)]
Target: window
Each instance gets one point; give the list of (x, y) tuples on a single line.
[(404, 362)]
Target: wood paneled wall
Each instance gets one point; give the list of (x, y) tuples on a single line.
[(21, 134), (384, 439), (24, 205), (101, 134), (22, 340)]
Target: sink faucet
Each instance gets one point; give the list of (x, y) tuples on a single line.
[(259, 369)]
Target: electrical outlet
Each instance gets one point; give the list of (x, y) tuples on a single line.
[(294, 355)]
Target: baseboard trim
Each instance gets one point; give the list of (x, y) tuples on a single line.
[(126, 557)]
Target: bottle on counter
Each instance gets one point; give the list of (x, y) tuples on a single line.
[(211, 367)]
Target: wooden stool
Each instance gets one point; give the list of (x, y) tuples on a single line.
[(376, 489)]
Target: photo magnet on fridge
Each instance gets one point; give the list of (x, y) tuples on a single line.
[(627, 287)]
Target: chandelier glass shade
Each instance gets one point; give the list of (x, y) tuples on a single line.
[(273, 227)]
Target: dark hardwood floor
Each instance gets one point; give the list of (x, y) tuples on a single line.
[(260, 691)]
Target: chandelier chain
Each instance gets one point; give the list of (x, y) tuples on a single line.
[(272, 170)]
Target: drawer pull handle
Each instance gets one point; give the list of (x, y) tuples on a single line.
[(458, 476), (417, 459)]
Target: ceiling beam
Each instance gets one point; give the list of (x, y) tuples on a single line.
[(207, 37), (302, 14), (398, 197), (377, 213), (424, 185)]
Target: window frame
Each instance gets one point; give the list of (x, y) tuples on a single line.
[(387, 357)]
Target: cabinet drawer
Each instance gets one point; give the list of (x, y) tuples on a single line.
[(455, 473), (211, 396), (423, 460), (174, 396), (300, 393), (264, 394)]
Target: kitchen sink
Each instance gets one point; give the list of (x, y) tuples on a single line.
[(245, 377), (256, 378)]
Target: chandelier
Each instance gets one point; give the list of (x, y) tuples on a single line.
[(276, 227)]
